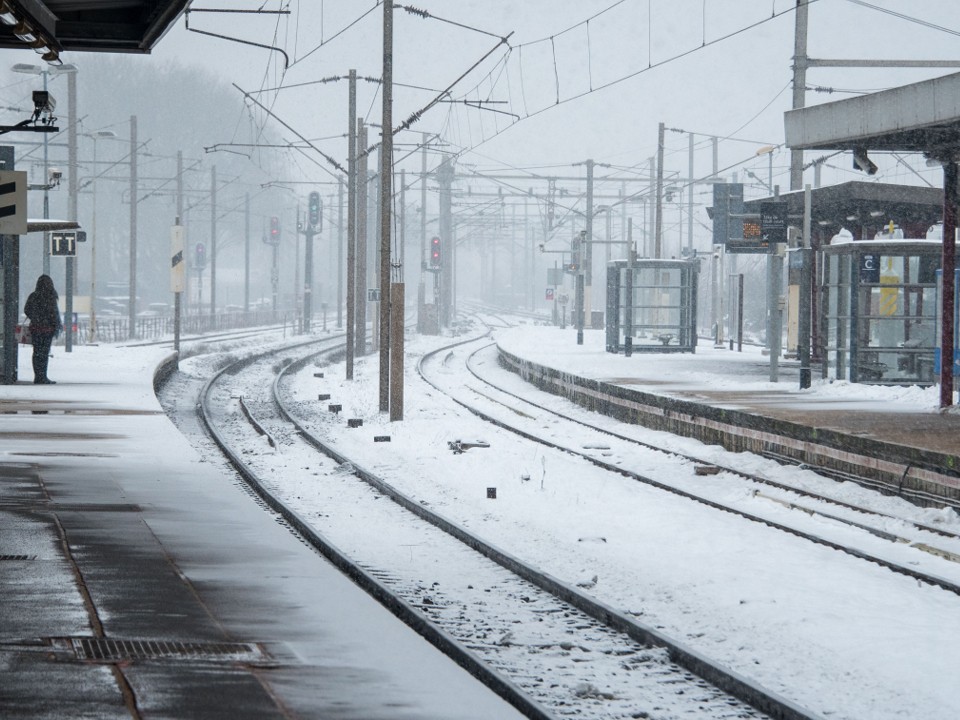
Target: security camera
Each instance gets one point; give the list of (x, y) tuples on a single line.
[(862, 162), (43, 102), (55, 175)]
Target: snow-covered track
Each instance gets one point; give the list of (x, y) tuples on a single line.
[(502, 619), (471, 367), (481, 405)]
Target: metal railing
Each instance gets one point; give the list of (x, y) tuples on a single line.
[(113, 330)]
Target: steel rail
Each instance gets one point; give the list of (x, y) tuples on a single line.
[(923, 577), (725, 679), (464, 657)]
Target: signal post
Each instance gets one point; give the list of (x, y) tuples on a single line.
[(314, 227)]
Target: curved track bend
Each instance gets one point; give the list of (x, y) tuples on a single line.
[(546, 647)]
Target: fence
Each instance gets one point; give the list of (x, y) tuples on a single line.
[(152, 328)]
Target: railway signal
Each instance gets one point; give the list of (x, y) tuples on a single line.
[(436, 258), (274, 230), (315, 214)]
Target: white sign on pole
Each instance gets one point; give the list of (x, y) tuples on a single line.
[(13, 202), (178, 275)]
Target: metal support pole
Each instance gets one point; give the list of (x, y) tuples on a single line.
[(213, 241), (10, 307), (178, 241), (46, 192), (132, 301), (803, 330), (396, 352), (351, 221), (658, 230), (186, 255), (72, 202), (776, 311), (360, 301), (948, 263), (578, 307), (339, 253), (800, 64), (628, 294), (586, 250), (386, 195), (690, 187), (715, 317), (246, 253), (740, 312), (649, 216), (308, 279)]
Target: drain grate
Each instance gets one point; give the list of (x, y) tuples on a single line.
[(110, 650)]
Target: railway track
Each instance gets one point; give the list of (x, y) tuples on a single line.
[(895, 543), (625, 585), (549, 649)]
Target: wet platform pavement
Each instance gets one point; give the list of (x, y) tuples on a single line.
[(138, 580)]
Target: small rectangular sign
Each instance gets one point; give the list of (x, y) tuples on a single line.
[(773, 221), (63, 244), (870, 268), (13, 202), (178, 268), (373, 294)]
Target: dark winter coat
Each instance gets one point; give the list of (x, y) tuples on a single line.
[(41, 309)]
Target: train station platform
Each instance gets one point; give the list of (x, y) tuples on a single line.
[(894, 438), (138, 579)]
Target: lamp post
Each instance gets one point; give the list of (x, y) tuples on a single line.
[(28, 69), (93, 234)]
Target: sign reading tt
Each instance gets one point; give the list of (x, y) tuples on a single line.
[(63, 244)]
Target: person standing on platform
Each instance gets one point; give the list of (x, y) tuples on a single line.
[(45, 324)]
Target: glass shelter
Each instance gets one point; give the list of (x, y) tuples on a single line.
[(879, 305), (652, 306)]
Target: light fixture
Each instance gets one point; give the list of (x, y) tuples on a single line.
[(6, 14), (23, 31), (27, 68), (876, 213), (852, 218), (32, 38), (862, 162)]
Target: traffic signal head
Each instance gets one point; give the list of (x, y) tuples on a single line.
[(435, 257), (201, 255), (315, 214), (274, 229)]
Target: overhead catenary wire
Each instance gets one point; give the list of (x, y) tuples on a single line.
[(288, 127), (616, 81), (908, 18)]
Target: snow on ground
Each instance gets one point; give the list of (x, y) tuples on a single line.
[(710, 368), (838, 635)]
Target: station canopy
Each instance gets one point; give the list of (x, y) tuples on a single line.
[(923, 117), (52, 26), (865, 206)]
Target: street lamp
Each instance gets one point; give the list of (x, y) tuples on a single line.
[(767, 150), (93, 233), (53, 70)]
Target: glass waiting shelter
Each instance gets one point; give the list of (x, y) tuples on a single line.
[(652, 306), (879, 305)]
